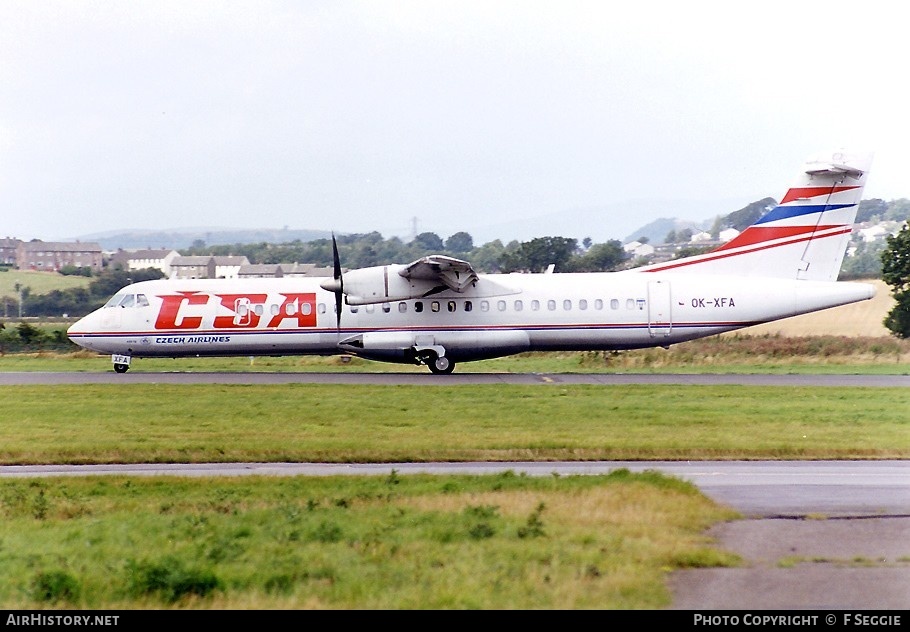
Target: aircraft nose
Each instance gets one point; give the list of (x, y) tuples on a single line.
[(76, 327)]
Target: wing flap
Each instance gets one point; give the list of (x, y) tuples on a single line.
[(455, 274)]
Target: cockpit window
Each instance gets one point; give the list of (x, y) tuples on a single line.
[(128, 300), (114, 300)]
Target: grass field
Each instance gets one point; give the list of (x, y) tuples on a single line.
[(39, 282)]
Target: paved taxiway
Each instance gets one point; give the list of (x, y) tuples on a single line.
[(816, 535)]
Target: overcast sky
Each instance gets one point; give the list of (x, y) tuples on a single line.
[(445, 116)]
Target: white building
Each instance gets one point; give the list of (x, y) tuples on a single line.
[(160, 258)]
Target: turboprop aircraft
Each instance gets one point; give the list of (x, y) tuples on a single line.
[(438, 311)]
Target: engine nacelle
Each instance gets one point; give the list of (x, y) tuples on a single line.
[(380, 284), (406, 346)]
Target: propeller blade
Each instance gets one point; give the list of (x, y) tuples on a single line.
[(339, 287)]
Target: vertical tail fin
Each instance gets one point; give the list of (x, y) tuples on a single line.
[(804, 237)]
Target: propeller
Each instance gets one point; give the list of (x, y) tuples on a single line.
[(339, 282)]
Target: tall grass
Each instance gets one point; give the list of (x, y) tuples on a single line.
[(416, 542)]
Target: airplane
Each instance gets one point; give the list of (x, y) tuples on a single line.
[(438, 311)]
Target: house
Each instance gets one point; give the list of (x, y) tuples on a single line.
[(193, 267), (54, 255), (8, 250), (160, 259), (277, 270), (727, 234), (207, 266), (638, 249), (228, 266), (260, 271), (306, 270)]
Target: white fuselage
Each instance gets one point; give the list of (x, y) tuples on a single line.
[(499, 315)]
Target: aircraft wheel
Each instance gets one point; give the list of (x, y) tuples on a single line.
[(121, 368), (441, 366)]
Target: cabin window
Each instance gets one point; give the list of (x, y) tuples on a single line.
[(468, 306), (386, 307), (434, 306), (535, 305), (551, 305), (141, 301), (630, 303), (519, 306), (484, 306), (614, 303), (320, 308), (274, 309), (258, 309), (290, 309), (501, 306), (598, 303), (305, 308), (370, 308), (418, 306), (451, 305), (402, 307), (582, 304), (354, 309), (567, 305)]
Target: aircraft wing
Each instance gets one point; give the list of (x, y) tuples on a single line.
[(454, 273)]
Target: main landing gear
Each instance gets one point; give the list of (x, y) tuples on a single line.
[(121, 368), (434, 357), (441, 365)]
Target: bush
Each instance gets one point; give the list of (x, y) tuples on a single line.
[(54, 586), (170, 580)]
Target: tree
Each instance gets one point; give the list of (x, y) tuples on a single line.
[(898, 210), (460, 243), (603, 257), (539, 253), (896, 273), (429, 241), (866, 262), (869, 210)]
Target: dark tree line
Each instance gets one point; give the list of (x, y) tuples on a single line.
[(362, 250)]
